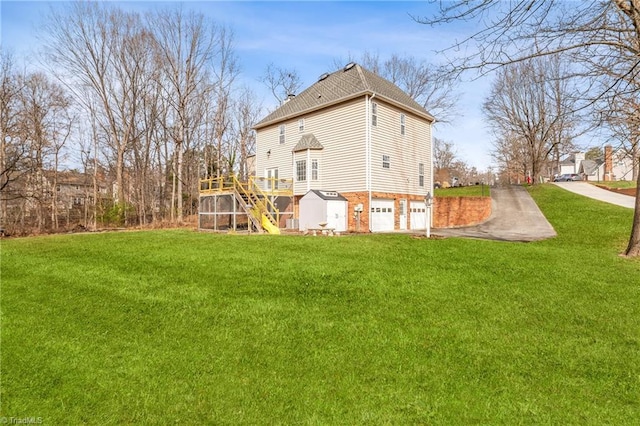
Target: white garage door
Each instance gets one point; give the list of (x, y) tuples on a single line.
[(381, 215), (418, 216)]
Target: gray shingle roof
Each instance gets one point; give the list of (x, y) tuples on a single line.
[(589, 167), (328, 195), (344, 84), (569, 160), (307, 142)]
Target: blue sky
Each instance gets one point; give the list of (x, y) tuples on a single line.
[(309, 36)]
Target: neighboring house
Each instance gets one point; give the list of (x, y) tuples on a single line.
[(34, 197), (74, 191), (357, 134), (616, 165), (592, 170), (571, 164)]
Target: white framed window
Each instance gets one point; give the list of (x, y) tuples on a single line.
[(374, 114), (301, 170), (301, 125), (421, 174), (386, 162), (314, 169), (402, 124), (282, 133)]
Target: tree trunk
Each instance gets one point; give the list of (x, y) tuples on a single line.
[(179, 182), (633, 249)]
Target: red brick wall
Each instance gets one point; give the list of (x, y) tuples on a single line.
[(355, 198), (449, 212)]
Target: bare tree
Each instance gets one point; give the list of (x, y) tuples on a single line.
[(444, 156), (599, 36), (424, 82), (46, 123), (531, 102), (185, 44), (13, 153), (621, 116), (281, 82), (99, 47), (246, 113), (225, 71)]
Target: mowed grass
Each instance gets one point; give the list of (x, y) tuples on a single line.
[(617, 183), (464, 191), (179, 326)]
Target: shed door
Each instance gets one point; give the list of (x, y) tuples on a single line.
[(337, 215), (418, 216), (381, 215)]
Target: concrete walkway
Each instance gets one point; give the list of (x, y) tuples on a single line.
[(514, 217), (592, 191)]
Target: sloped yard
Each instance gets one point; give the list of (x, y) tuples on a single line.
[(177, 326)]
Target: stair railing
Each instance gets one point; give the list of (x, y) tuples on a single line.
[(253, 193)]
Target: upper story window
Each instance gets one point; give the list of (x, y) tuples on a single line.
[(402, 123), (282, 133), (314, 169), (421, 174), (301, 170), (374, 114), (386, 162), (301, 125)]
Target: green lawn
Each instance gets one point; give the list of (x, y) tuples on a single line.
[(617, 183), (464, 191), (178, 326)]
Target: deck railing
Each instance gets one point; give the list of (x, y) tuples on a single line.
[(267, 186), (257, 191)]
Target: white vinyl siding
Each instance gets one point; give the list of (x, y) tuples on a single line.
[(341, 129), (341, 164), (405, 152)]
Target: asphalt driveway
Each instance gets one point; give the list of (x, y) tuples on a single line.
[(514, 217)]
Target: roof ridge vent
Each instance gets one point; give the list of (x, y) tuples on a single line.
[(323, 76), (349, 66)]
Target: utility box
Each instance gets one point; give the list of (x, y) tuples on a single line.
[(323, 207)]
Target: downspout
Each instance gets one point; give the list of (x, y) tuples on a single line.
[(430, 218), (368, 149)]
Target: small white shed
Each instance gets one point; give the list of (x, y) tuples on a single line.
[(318, 207)]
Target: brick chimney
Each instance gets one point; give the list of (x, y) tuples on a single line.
[(608, 162)]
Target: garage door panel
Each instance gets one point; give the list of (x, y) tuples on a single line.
[(418, 215), (382, 215)]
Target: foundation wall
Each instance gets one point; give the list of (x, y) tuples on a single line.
[(451, 212)]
